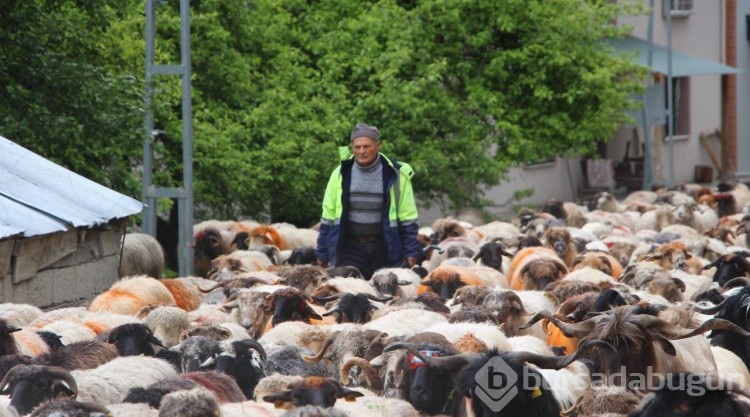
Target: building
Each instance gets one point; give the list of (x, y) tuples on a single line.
[(60, 233), (711, 93)]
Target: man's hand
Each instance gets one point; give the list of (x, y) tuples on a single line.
[(411, 261), (322, 264)]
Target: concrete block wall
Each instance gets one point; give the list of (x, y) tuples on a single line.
[(73, 280)]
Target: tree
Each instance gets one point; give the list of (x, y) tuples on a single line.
[(462, 90)]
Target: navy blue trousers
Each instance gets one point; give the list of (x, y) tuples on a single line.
[(368, 257)]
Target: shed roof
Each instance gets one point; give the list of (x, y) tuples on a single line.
[(39, 197), (683, 64)]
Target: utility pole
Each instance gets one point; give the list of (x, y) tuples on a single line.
[(151, 192)]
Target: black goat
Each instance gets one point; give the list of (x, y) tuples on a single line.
[(491, 254), (303, 255), (461, 372), (7, 341), (237, 359), (735, 310), (687, 394), (731, 265), (313, 390), (291, 304), (132, 339), (352, 308)]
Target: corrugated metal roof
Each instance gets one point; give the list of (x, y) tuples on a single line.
[(682, 64), (38, 196)]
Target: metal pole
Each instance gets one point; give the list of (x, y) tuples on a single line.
[(670, 100), (185, 235), (148, 221), (648, 169)]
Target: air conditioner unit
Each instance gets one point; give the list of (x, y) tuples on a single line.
[(680, 8)]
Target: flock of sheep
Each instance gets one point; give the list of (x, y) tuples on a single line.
[(579, 302)]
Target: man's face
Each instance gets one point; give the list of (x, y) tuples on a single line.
[(365, 150)]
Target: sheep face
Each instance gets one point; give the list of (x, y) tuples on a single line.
[(31, 385), (196, 350), (133, 339), (352, 308), (243, 360), (313, 390), (289, 304), (7, 342)]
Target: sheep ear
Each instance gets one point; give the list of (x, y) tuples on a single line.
[(311, 313), (280, 399), (680, 284), (666, 345), (348, 394)]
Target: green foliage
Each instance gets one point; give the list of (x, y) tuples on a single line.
[(462, 90)]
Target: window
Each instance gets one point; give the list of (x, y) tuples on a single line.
[(681, 104), (680, 8)]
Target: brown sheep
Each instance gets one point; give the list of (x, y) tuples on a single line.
[(446, 279), (445, 228), (563, 290), (675, 255), (538, 273), (599, 260), (560, 240)]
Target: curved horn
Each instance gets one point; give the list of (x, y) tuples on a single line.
[(8, 376), (711, 324), (544, 314), (579, 329), (558, 362), (712, 310), (63, 375), (448, 363), (329, 298), (376, 298), (323, 349), (253, 344), (376, 382), (737, 282), (409, 347), (453, 362), (436, 247)]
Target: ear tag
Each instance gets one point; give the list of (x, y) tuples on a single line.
[(536, 393)]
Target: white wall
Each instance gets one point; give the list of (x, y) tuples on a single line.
[(559, 179)]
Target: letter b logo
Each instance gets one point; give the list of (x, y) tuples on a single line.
[(496, 384)]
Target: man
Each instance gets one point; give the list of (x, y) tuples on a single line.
[(369, 215)]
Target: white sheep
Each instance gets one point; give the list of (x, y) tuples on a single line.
[(142, 254), (110, 382), (167, 323), (401, 282), (405, 322), (487, 334), (19, 314), (70, 330)]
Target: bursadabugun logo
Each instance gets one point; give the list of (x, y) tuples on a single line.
[(496, 384)]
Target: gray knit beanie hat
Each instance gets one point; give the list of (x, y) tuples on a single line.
[(365, 131)]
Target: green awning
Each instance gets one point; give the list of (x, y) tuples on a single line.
[(682, 64)]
